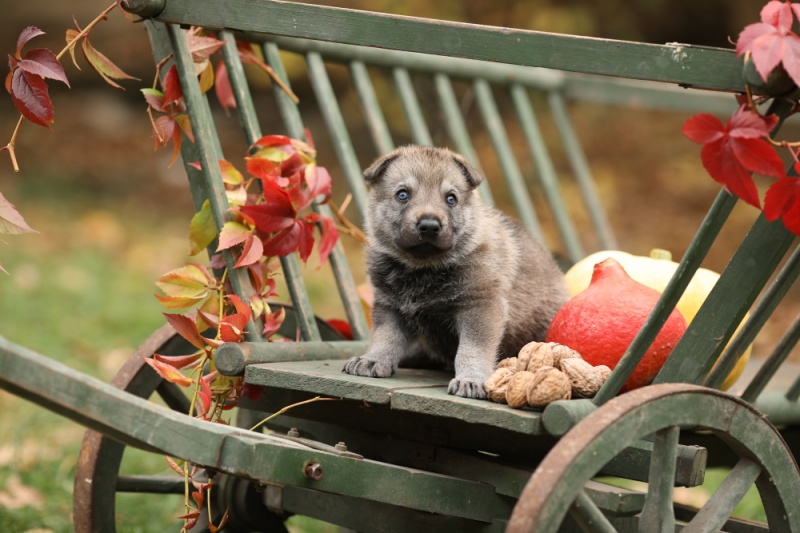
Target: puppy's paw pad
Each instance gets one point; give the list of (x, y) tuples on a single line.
[(361, 366), (466, 388)]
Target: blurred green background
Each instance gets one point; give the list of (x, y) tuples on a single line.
[(112, 216)]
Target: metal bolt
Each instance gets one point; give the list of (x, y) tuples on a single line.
[(340, 446), (293, 433), (313, 471)]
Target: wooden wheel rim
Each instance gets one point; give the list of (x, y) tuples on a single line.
[(580, 454), (98, 465)]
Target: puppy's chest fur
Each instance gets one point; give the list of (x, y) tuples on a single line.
[(425, 298)]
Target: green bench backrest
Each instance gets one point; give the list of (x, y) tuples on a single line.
[(748, 271)]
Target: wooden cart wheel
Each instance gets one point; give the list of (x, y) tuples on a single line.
[(556, 487), (98, 479)]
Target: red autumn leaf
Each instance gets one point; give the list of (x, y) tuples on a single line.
[(263, 168), (275, 213), (783, 201), (154, 98), (186, 328), (343, 327), (199, 498), (223, 88), (285, 241), (172, 86), (174, 466), (26, 35), (251, 252), (231, 328), (179, 361), (30, 97), (168, 372), (306, 243), (253, 392), (44, 63), (201, 47), (734, 150), (771, 41), (163, 129), (273, 140), (330, 236), (273, 322), (233, 233), (205, 394)]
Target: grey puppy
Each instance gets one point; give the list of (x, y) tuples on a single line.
[(456, 282)]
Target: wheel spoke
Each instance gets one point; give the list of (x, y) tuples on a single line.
[(720, 506), (588, 516), (151, 484), (657, 514), (174, 397)]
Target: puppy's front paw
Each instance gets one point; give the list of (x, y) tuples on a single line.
[(467, 388), (365, 366)]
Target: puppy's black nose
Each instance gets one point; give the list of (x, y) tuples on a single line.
[(429, 227)]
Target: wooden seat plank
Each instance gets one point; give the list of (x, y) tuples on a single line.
[(325, 377), (411, 390)]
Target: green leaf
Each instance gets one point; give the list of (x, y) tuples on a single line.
[(202, 229), (103, 65)]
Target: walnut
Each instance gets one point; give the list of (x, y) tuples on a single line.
[(508, 362), (516, 390), (604, 372), (548, 385), (497, 383), (535, 355), (561, 352), (586, 380)]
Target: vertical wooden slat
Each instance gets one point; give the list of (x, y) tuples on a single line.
[(416, 120), (769, 302), (508, 162), (580, 168), (547, 174), (745, 275), (341, 270), (340, 137), (773, 362), (698, 248), (376, 122), (343, 147), (657, 514), (457, 128), (207, 144)]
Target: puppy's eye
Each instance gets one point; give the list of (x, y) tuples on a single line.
[(402, 195), (451, 199)]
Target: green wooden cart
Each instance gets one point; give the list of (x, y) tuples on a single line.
[(399, 454)]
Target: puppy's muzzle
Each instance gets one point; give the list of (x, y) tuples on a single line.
[(429, 228)]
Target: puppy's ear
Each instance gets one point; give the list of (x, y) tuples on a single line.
[(378, 168), (473, 176)]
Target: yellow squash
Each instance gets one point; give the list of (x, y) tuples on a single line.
[(655, 272)]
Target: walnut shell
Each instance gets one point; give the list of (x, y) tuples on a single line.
[(508, 362), (535, 355), (497, 383), (561, 352), (548, 385), (516, 389), (586, 380), (604, 372)]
